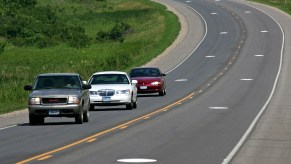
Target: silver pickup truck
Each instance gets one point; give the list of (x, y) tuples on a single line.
[(58, 95)]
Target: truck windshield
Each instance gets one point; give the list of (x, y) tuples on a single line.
[(57, 82)]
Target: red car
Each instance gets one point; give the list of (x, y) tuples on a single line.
[(150, 80)]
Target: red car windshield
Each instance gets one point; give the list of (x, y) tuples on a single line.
[(145, 72)]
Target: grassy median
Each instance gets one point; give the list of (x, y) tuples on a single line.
[(82, 36)]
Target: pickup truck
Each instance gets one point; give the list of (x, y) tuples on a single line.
[(58, 95)]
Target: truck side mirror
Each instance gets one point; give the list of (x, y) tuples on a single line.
[(27, 87)]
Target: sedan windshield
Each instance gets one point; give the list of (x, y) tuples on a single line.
[(109, 79), (145, 72), (57, 82)]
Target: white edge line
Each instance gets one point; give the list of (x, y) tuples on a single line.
[(205, 24), (250, 128), (7, 127), (11, 126)]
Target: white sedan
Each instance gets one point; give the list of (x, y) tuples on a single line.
[(110, 88)]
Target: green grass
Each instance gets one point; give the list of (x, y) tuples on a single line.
[(284, 5), (155, 29)]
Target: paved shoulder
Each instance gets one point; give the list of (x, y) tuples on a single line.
[(270, 141)]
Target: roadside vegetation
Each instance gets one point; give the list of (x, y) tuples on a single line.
[(284, 5), (82, 36)]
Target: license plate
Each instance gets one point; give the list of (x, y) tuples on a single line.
[(106, 99), (54, 112), (143, 87)]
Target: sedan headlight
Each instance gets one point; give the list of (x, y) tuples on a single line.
[(93, 92), (127, 91), (156, 83), (34, 101), (73, 100)]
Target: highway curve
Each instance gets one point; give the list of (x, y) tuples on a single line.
[(212, 97)]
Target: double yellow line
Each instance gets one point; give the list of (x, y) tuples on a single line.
[(92, 138)]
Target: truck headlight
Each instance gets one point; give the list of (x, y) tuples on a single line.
[(73, 100), (34, 101)]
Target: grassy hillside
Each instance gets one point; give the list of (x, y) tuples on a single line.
[(82, 36), (284, 5)]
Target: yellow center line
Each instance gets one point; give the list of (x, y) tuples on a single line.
[(40, 156), (92, 140), (124, 127), (45, 157)]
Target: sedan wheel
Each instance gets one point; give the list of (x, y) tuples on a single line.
[(91, 107), (129, 106), (135, 105), (162, 93)]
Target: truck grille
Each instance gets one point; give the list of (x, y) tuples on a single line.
[(54, 100), (106, 92)]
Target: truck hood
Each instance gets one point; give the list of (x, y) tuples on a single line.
[(55, 93)]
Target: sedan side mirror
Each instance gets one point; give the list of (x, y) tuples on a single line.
[(27, 87), (86, 86), (163, 74)]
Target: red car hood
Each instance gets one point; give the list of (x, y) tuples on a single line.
[(146, 79)]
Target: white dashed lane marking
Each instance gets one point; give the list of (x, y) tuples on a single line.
[(137, 160), (223, 33), (246, 79), (259, 55), (178, 80), (218, 107)]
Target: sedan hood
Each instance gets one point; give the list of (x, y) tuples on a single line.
[(110, 86), (55, 93)]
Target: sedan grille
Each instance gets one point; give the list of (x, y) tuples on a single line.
[(106, 92)]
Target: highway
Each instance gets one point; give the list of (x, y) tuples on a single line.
[(212, 98)]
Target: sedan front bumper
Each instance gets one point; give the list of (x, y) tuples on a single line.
[(121, 99)]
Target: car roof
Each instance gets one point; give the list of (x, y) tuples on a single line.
[(59, 74), (110, 72), (145, 67)]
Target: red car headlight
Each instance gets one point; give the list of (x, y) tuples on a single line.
[(156, 83)]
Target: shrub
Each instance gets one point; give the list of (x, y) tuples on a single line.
[(117, 33), (77, 37)]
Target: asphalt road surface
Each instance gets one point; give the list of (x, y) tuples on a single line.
[(212, 98)]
